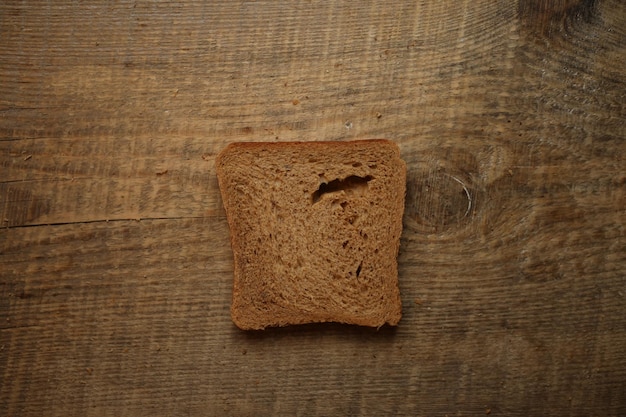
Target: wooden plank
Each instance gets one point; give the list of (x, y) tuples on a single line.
[(58, 180), (115, 266)]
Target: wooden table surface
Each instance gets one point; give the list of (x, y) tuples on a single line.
[(115, 265)]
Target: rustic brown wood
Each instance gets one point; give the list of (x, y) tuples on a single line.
[(115, 269)]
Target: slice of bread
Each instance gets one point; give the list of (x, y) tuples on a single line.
[(315, 230)]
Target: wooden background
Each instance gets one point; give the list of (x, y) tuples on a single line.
[(115, 265)]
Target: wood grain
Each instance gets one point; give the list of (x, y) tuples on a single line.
[(115, 269)]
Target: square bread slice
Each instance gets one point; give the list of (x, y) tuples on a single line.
[(315, 231)]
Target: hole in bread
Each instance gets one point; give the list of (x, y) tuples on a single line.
[(351, 184), (358, 269)]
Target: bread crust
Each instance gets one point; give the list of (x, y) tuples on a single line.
[(267, 305), (311, 144)]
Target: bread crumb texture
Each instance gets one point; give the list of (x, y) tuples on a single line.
[(315, 231)]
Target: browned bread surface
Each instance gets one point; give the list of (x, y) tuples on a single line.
[(315, 231)]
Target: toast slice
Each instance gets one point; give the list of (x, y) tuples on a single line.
[(315, 230)]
